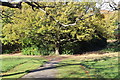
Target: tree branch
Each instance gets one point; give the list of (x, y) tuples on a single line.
[(36, 5), (18, 5)]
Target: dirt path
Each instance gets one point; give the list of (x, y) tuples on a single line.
[(48, 70)]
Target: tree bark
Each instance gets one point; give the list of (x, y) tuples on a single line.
[(8, 4), (57, 49)]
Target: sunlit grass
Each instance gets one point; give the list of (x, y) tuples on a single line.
[(97, 68), (15, 67)]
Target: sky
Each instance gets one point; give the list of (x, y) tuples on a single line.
[(66, 0)]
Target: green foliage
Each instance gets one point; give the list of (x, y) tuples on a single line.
[(31, 51), (6, 14), (6, 51), (111, 20), (46, 51), (67, 52), (112, 47), (34, 50), (117, 31), (30, 27)]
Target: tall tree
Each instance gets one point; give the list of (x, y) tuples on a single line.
[(56, 24)]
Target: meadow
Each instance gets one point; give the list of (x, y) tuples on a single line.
[(105, 67), (17, 66)]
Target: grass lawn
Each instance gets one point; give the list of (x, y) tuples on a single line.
[(16, 66), (106, 67)]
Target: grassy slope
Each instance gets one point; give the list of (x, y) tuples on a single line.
[(14, 67), (97, 68)]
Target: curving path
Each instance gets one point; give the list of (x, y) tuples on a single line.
[(47, 71)]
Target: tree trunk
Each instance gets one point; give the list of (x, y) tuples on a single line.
[(57, 49)]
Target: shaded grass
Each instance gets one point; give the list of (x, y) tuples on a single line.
[(14, 67), (98, 68)]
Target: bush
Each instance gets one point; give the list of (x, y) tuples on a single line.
[(34, 50), (6, 51), (31, 51), (112, 47), (45, 51)]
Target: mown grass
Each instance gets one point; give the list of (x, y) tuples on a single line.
[(15, 67), (98, 68)]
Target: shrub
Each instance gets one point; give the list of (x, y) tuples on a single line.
[(33, 50), (112, 47), (45, 51), (6, 51)]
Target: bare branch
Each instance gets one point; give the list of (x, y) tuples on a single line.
[(18, 5)]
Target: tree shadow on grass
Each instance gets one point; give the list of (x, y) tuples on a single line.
[(54, 67), (13, 74), (41, 69)]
